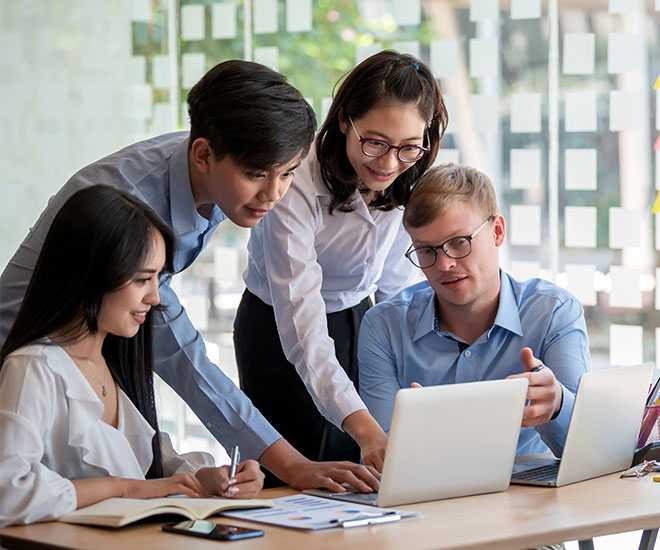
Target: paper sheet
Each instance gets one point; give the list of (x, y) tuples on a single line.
[(140, 10), (581, 113), (484, 57), (161, 71), (525, 113), (580, 226), (484, 9), (138, 69), (193, 67), (192, 22), (306, 512), (523, 269), (485, 117), (298, 15), (265, 16), (362, 52), (625, 290), (525, 225), (624, 52), (408, 46), (625, 345), (579, 53), (580, 279), (580, 169), (452, 111), (525, 168), (623, 6), (525, 9), (326, 103), (447, 155), (269, 56), (223, 17), (407, 12), (444, 58), (625, 227), (657, 293)]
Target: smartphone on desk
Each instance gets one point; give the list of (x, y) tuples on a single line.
[(211, 530)]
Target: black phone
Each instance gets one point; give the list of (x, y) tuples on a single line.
[(210, 530)]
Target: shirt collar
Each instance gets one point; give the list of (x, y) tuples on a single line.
[(427, 318), (185, 217), (508, 316), (182, 202)]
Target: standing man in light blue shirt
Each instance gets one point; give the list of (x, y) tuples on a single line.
[(471, 321), (250, 129)]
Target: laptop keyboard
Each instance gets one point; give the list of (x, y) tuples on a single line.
[(357, 498), (542, 473)]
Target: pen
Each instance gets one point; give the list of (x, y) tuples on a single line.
[(235, 454), (537, 368)]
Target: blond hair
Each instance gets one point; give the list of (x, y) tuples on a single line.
[(443, 185)]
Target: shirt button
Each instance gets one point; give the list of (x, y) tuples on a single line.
[(208, 425), (468, 353)]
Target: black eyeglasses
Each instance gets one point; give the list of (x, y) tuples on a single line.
[(455, 248), (378, 148)]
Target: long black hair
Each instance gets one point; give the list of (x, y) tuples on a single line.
[(98, 240), (385, 77)]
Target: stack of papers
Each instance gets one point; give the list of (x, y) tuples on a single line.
[(315, 513)]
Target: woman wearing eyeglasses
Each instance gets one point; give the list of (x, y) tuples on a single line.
[(333, 240)]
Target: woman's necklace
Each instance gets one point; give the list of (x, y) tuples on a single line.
[(104, 390)]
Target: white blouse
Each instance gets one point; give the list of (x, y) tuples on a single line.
[(305, 263), (51, 432)]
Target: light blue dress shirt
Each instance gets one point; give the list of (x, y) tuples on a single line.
[(156, 171), (400, 343)]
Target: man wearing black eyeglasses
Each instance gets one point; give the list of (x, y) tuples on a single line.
[(471, 321)]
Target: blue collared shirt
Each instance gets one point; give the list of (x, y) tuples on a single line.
[(400, 343), (156, 171)]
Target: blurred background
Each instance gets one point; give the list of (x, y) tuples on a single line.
[(553, 99)]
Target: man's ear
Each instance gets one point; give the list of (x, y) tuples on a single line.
[(499, 229), (201, 155)]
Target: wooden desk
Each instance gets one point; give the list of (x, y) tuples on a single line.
[(521, 517)]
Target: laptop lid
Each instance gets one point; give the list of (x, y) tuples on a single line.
[(452, 440), (605, 421)]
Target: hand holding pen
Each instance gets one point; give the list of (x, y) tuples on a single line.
[(545, 393), (238, 480)]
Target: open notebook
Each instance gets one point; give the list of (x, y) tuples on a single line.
[(116, 512), (448, 441)]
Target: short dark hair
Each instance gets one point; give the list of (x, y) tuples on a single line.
[(250, 113), (385, 77), (98, 240)]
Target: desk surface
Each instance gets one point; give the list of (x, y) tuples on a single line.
[(521, 517)]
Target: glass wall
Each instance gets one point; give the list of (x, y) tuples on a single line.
[(555, 100)]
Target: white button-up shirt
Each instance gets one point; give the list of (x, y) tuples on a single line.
[(305, 263), (51, 432)]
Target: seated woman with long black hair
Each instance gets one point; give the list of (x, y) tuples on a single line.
[(77, 414)]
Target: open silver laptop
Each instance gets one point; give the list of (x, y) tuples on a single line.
[(602, 433), (448, 441)]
